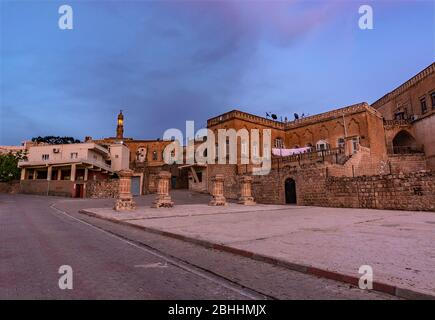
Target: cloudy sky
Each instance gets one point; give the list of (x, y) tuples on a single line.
[(165, 62)]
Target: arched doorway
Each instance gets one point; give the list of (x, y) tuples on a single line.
[(404, 142), (290, 191)]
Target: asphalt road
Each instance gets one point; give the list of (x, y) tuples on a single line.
[(40, 234)]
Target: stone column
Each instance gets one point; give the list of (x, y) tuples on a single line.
[(217, 191), (59, 174), (86, 174), (163, 199), (73, 172), (124, 200), (245, 191), (49, 171), (35, 174), (23, 174)]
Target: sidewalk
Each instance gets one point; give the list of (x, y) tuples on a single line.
[(328, 242)]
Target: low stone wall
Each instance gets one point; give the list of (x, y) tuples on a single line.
[(102, 189), (63, 188), (10, 187), (314, 187), (412, 191), (407, 163)]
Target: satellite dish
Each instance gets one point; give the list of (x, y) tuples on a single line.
[(274, 117), (296, 116)]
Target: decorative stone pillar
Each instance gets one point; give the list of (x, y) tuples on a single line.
[(23, 174), (163, 199), (125, 198), (245, 191), (217, 191)]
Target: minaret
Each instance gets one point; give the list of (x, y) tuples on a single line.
[(120, 126)]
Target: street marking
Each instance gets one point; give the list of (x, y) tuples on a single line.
[(152, 265), (215, 279)]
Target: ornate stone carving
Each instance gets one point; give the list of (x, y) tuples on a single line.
[(217, 191), (124, 200), (245, 191), (163, 199)]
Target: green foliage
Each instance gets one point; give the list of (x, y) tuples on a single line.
[(55, 140), (9, 165)]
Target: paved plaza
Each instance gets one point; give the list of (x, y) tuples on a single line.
[(398, 245)]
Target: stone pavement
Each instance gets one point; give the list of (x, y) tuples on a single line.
[(398, 245)]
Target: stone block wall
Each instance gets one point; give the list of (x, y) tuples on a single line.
[(411, 191), (10, 187), (231, 183), (314, 187), (407, 163), (102, 189)]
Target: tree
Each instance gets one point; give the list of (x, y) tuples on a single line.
[(9, 166), (55, 140)]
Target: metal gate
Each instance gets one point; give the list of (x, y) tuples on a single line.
[(135, 186)]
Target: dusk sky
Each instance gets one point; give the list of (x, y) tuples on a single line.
[(165, 62)]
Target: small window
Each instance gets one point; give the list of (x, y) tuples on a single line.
[(74, 155), (279, 143), (45, 156), (154, 155), (340, 143), (432, 97), (355, 144), (423, 105)]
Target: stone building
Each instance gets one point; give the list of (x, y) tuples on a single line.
[(146, 160), (409, 116), (69, 169)]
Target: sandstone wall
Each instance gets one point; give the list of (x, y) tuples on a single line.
[(315, 187)]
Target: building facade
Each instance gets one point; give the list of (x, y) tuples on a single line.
[(66, 169), (409, 114)]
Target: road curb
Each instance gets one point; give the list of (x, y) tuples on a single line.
[(399, 292)]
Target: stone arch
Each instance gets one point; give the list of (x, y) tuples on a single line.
[(323, 133), (295, 139), (308, 137), (404, 142), (338, 129), (353, 128)]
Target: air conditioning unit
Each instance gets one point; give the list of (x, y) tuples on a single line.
[(56, 150)]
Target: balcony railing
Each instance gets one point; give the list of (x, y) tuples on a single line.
[(397, 122), (334, 155), (406, 149)]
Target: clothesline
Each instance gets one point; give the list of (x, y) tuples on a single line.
[(289, 152)]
